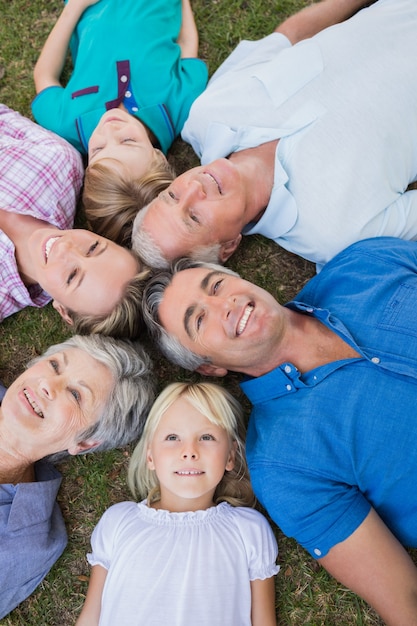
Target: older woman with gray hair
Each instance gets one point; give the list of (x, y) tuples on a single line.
[(87, 393)]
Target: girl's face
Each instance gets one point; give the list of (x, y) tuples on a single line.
[(80, 270), (189, 455), (48, 406), (123, 138)]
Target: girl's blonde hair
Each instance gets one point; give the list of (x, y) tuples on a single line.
[(218, 406), (125, 321), (111, 201)]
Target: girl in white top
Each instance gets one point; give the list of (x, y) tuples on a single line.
[(193, 552)]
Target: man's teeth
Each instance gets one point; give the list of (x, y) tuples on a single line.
[(49, 245), (189, 473), (33, 404), (244, 319)]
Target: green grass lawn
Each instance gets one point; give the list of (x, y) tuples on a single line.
[(306, 595)]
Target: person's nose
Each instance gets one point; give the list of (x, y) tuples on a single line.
[(48, 387), (193, 191), (189, 452), (224, 305)]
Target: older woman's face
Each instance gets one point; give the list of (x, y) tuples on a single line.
[(81, 270), (52, 402)]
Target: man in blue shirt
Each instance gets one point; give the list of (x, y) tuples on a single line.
[(332, 377)]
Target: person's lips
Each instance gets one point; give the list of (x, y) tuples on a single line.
[(32, 402)]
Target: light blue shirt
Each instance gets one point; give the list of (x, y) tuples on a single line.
[(325, 446), (344, 111)]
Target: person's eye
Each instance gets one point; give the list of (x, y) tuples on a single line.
[(128, 139), (199, 321), (171, 438), (55, 365), (194, 218), (92, 248), (71, 277), (76, 394), (95, 150), (207, 437), (216, 286), (172, 195)]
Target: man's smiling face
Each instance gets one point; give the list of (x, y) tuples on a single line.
[(201, 207), (223, 317)]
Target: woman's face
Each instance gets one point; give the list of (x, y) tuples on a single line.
[(48, 406), (80, 270)]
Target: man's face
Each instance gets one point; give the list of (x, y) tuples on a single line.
[(223, 317), (203, 206)]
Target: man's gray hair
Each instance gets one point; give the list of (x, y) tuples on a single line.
[(150, 252), (152, 298), (123, 416)]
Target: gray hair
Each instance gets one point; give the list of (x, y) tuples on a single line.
[(150, 252), (125, 411), (153, 295)]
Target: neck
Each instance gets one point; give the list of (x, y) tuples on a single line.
[(257, 164), (19, 228), (308, 344), (14, 470), (14, 467)]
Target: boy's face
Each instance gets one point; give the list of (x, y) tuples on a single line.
[(122, 138)]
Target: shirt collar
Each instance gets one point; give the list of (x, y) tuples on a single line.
[(43, 492)]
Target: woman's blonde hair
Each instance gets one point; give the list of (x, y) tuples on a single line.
[(111, 201), (218, 406), (125, 321)]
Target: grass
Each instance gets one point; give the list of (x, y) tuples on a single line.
[(306, 595)]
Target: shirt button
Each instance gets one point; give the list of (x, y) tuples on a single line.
[(135, 109), (287, 369), (288, 387), (317, 552), (128, 94), (375, 360), (123, 78)]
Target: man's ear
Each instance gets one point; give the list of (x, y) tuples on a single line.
[(62, 311), (228, 247), (83, 446), (207, 369)]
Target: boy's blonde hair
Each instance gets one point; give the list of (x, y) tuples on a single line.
[(111, 201), (218, 406)]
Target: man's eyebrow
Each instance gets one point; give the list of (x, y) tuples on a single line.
[(187, 316), (190, 310)]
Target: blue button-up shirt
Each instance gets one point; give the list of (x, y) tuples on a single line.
[(325, 446)]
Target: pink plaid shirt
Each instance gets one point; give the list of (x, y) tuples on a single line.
[(40, 175)]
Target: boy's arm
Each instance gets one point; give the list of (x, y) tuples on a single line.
[(373, 564), (318, 16), (90, 613), (188, 36), (51, 60), (263, 602)]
